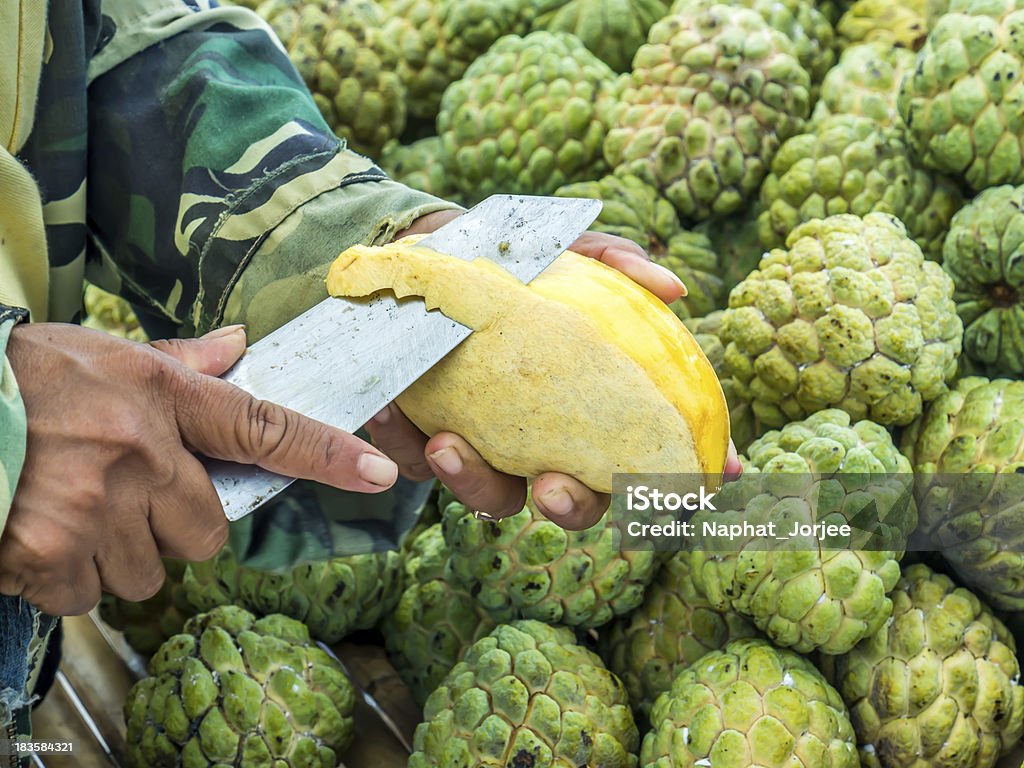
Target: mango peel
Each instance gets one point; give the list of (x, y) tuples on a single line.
[(581, 371)]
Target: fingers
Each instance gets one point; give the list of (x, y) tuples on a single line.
[(70, 588), (67, 597), (567, 502), (186, 517), (476, 484), (211, 354), (129, 565), (630, 259), (224, 422), (733, 467), (402, 441)]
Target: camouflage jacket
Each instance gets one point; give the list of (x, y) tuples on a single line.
[(182, 164)]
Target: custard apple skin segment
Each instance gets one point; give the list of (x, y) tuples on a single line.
[(850, 316), (710, 98), (963, 102), (437, 40), (529, 565), (348, 65), (233, 690), (850, 164), (747, 705), (845, 164), (984, 254), (527, 695), (806, 27), (526, 118), (612, 30), (419, 165), (865, 82), (938, 685), (435, 619), (673, 628), (897, 25), (968, 455), (806, 597), (333, 598)]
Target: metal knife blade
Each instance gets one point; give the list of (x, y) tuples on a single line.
[(343, 360)]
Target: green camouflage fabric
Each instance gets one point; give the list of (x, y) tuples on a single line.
[(183, 165)]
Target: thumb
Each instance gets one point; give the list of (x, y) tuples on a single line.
[(211, 354)]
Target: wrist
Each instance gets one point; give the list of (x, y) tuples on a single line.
[(426, 224)]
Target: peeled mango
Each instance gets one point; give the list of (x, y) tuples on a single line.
[(521, 388)]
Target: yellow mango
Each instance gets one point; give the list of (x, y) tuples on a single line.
[(581, 371)]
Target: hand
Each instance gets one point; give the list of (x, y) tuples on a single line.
[(110, 483), (560, 497)]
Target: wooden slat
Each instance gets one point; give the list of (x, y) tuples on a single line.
[(370, 670), (57, 719), (99, 676)]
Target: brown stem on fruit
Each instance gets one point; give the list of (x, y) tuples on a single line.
[(1003, 295)]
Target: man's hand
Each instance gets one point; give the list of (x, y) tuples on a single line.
[(560, 497), (110, 483)]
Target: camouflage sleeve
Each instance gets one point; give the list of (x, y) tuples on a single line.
[(13, 428), (218, 194), (206, 150)]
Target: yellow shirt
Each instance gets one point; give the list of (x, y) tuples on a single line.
[(24, 269)]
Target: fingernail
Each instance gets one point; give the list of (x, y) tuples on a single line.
[(448, 460), (227, 330), (558, 502), (675, 278), (383, 416), (376, 469)]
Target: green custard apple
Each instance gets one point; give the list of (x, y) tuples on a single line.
[(823, 594), (749, 704), (709, 99), (531, 565), (233, 690), (527, 695), (850, 316), (938, 685)]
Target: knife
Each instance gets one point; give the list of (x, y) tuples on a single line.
[(345, 359)]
